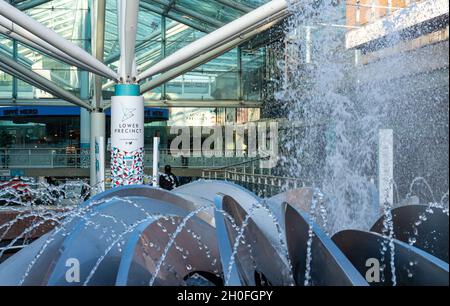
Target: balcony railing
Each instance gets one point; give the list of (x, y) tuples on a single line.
[(76, 158), (250, 175)]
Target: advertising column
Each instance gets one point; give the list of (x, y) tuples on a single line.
[(127, 136)]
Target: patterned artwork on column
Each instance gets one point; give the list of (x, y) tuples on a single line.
[(85, 158), (127, 168), (127, 140)]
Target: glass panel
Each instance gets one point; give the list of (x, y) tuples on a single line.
[(5, 85), (211, 9), (65, 17), (217, 79), (252, 3), (6, 80), (58, 72), (253, 64)]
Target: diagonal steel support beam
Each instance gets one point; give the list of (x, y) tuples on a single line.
[(146, 40), (190, 13), (201, 59), (35, 79), (24, 78), (16, 32), (236, 5), (21, 59), (28, 64), (264, 14), (98, 45), (48, 35), (181, 19), (26, 5)]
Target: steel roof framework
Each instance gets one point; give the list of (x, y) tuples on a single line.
[(58, 15)]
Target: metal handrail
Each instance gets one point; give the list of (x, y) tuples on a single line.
[(243, 163), (261, 184), (255, 174), (39, 157), (239, 164), (77, 149)]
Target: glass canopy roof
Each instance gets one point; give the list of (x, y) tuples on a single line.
[(164, 26)]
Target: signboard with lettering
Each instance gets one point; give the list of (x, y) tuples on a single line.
[(150, 113), (127, 140), (39, 111)]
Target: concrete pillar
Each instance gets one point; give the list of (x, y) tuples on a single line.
[(386, 167), (100, 163), (97, 130), (85, 136), (308, 45), (155, 177), (127, 136)]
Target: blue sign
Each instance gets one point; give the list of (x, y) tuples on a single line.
[(17, 172), (39, 111), (44, 111)]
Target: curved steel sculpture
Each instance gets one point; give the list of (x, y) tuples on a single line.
[(329, 266), (257, 253), (412, 265), (425, 226), (103, 236), (211, 233)]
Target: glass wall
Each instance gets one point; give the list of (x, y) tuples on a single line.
[(162, 30), (65, 17), (5, 85)]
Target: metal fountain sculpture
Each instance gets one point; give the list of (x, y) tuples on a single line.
[(218, 233), (206, 232)]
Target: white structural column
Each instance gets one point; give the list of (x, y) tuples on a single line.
[(83, 77), (155, 167), (98, 43), (127, 105), (308, 44), (97, 143), (218, 37), (386, 167), (97, 130), (53, 38), (127, 136), (85, 136), (128, 15), (100, 163)]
